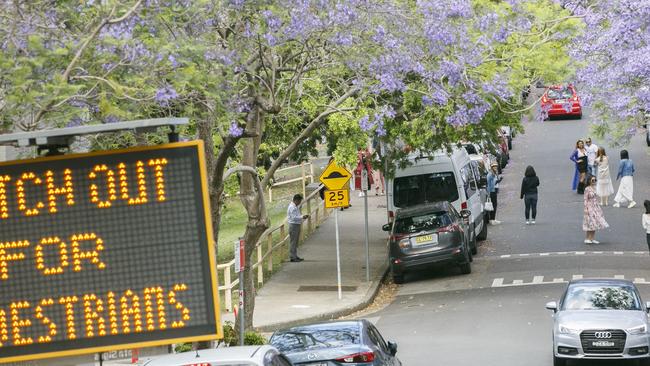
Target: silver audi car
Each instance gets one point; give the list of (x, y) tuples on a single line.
[(600, 319)]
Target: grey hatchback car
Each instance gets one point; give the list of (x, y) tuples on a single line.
[(429, 233), (600, 319)]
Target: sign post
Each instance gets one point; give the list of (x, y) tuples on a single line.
[(364, 188), (240, 263), (335, 177)]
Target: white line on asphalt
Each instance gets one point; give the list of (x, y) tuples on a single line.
[(544, 254), (580, 253), (618, 253), (547, 254), (639, 252), (598, 252), (539, 280), (505, 256)]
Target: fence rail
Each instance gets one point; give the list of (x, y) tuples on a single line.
[(303, 176), (317, 214)]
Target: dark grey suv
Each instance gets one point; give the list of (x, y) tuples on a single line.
[(426, 234)]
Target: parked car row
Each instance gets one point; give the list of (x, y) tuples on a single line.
[(349, 342), (436, 206)]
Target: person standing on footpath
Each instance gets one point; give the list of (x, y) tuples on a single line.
[(593, 218), (294, 219), (529, 194), (604, 187), (592, 151), (579, 157), (645, 221), (626, 188), (492, 180)]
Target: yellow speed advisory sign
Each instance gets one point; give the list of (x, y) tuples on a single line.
[(337, 198)]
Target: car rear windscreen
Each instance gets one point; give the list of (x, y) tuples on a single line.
[(425, 188), (423, 222), (300, 339), (559, 93), (599, 297)]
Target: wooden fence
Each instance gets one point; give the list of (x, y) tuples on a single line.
[(275, 240), (304, 174)]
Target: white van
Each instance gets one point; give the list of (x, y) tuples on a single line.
[(440, 177)]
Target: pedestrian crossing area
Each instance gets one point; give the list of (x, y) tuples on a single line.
[(548, 280), (573, 253)]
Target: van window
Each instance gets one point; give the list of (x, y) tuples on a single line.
[(425, 188), (469, 180)]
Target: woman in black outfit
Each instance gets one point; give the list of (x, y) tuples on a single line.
[(529, 193)]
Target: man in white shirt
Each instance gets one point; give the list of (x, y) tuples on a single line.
[(294, 219), (592, 151)]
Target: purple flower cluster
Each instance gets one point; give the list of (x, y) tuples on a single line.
[(235, 130), (165, 95)]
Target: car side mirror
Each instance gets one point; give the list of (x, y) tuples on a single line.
[(552, 306), (387, 227), (647, 306), (392, 348), (465, 214)]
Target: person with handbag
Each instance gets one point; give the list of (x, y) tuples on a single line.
[(493, 180), (529, 194)]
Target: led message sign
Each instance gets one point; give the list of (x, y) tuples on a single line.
[(105, 251)]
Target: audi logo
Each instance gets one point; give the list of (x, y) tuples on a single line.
[(603, 335)]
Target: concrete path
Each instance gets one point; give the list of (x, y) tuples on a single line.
[(307, 291)]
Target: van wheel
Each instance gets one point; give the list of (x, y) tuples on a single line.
[(398, 279), (483, 234), (473, 245)]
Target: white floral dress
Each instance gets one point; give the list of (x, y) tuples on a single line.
[(593, 214)]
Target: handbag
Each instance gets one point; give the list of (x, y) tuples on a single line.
[(488, 205)]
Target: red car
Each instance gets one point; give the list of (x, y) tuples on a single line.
[(559, 100)]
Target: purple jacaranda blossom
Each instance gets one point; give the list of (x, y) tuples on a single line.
[(75, 121), (173, 61), (364, 123), (235, 130), (427, 100), (165, 94), (273, 22), (111, 118)]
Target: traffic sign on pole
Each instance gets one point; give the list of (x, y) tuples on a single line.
[(334, 177), (337, 198)]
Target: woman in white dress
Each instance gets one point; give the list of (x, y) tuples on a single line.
[(604, 186)]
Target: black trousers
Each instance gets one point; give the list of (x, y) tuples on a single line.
[(493, 198), (530, 202), (647, 239)]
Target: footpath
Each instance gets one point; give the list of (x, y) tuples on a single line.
[(307, 291)]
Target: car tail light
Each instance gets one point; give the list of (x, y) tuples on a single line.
[(391, 216), (449, 228), (544, 99), (357, 358), (575, 98), (463, 205), (404, 243), (396, 237)]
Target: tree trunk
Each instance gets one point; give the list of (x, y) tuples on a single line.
[(252, 197)]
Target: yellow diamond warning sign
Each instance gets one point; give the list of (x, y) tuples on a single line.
[(334, 177)]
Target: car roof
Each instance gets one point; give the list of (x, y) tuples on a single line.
[(222, 355), (423, 208), (341, 323), (602, 281)]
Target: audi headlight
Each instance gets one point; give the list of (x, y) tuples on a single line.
[(638, 330), (567, 330)]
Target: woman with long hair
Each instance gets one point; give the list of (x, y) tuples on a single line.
[(579, 157), (626, 188), (529, 194), (593, 218), (604, 186)]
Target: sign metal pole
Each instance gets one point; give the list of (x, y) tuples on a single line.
[(364, 185), (338, 252)]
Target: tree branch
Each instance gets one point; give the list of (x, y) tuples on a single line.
[(331, 109)]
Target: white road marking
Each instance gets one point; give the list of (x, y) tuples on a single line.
[(538, 279), (580, 253), (577, 277), (498, 282), (517, 282), (544, 254), (639, 280), (506, 256), (556, 280), (619, 277), (618, 253)]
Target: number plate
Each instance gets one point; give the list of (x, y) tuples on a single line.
[(603, 344), (426, 239)]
